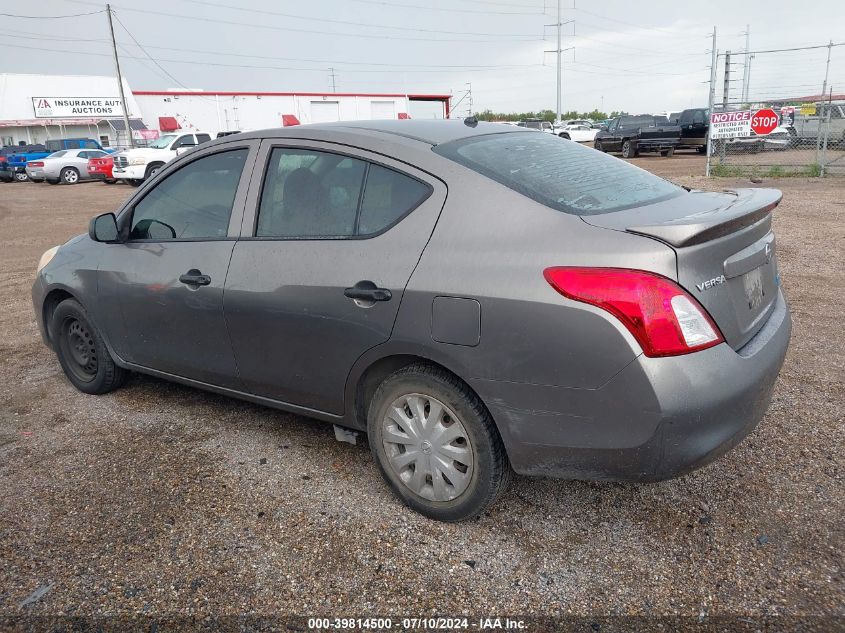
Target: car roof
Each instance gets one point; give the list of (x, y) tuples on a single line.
[(432, 132)]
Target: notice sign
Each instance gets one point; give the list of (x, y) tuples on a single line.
[(730, 124), (76, 107)]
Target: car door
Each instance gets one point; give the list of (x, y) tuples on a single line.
[(78, 159), (614, 143), (163, 286), (331, 236)]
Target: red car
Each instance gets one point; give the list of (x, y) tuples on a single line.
[(100, 169)]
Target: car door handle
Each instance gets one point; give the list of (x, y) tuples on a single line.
[(367, 291), (195, 278)]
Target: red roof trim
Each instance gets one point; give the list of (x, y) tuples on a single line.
[(189, 93)]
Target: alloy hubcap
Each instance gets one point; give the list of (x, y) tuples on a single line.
[(70, 176), (427, 447)]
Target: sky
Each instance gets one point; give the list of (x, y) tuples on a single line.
[(634, 56)]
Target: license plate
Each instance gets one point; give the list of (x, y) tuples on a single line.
[(753, 284)]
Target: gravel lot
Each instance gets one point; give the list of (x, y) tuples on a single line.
[(163, 500)]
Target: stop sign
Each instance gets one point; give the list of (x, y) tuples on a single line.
[(764, 121)]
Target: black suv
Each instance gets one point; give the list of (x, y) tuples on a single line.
[(694, 124), (640, 133)]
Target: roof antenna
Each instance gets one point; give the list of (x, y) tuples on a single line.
[(471, 121)]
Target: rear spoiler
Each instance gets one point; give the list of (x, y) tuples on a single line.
[(749, 207)]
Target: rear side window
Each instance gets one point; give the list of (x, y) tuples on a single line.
[(564, 176), (58, 154), (309, 194)]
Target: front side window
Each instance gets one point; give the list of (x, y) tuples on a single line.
[(194, 202), (203, 138), (310, 194), (564, 176), (185, 141)]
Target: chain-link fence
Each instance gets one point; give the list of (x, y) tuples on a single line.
[(778, 112)]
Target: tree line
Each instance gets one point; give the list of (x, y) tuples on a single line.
[(546, 115)]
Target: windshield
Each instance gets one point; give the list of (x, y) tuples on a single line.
[(58, 154), (564, 176), (163, 142)]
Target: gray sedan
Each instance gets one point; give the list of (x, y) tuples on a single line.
[(479, 299), (68, 166)]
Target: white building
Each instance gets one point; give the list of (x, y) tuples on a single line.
[(227, 111), (35, 108)]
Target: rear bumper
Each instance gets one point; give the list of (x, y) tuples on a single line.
[(656, 419)]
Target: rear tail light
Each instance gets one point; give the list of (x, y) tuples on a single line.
[(662, 316), (35, 163)]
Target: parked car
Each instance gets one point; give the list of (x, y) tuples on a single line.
[(137, 164), (808, 127), (579, 133), (631, 135), (14, 165), (599, 323), (586, 122), (100, 168), (694, 124), (55, 145), (538, 124), (68, 166), (6, 174), (778, 139)]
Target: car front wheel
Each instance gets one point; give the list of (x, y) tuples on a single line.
[(629, 149), (436, 445), (82, 352)]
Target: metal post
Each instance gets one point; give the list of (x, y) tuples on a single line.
[(826, 133), (334, 85), (827, 69), (727, 88), (745, 68), (559, 79), (120, 81), (714, 55)]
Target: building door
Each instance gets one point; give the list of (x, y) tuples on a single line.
[(325, 111), (382, 109)]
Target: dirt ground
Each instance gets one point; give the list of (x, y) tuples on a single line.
[(162, 500)]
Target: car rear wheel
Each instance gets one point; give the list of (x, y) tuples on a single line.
[(70, 176), (135, 182), (598, 146), (21, 176), (629, 149), (81, 351), (436, 445)]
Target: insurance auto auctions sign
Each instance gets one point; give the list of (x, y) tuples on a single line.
[(76, 107), (730, 124)]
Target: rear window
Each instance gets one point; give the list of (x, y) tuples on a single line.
[(559, 174)]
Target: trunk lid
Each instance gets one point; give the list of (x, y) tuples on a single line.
[(725, 251)]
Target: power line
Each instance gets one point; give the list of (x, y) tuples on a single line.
[(50, 17), (138, 44), (271, 27), (403, 5), (348, 22)]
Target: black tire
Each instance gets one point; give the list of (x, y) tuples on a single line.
[(152, 170), (135, 182), (667, 152), (81, 351), (52, 181), (597, 145), (565, 135), (629, 149), (20, 176), (702, 149), (69, 176), (491, 471), (110, 181)]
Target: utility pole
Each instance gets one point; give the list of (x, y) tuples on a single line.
[(714, 56), (727, 89), (827, 69), (120, 81), (334, 85), (559, 69), (745, 66)]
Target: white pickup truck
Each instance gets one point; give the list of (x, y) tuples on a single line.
[(136, 165)]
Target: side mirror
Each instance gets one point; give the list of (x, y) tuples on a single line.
[(103, 228)]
